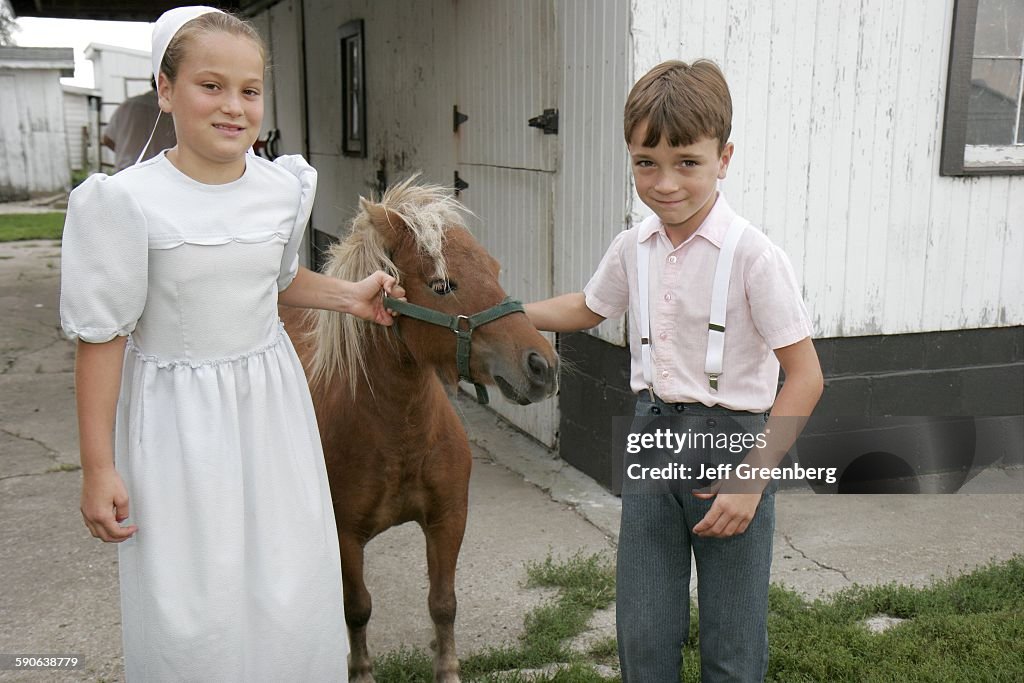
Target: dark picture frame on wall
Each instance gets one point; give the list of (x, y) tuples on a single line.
[(353, 89)]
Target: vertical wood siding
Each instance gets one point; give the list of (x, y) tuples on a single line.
[(593, 182), (837, 124)]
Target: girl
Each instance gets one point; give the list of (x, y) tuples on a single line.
[(200, 450)]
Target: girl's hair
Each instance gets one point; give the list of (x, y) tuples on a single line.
[(682, 103), (211, 22)]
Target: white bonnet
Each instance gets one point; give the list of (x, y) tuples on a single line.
[(168, 25)]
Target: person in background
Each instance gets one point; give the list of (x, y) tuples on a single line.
[(131, 125)]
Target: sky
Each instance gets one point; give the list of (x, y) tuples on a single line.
[(77, 34)]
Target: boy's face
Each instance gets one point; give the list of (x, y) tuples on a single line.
[(678, 183)]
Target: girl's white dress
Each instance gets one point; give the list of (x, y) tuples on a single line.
[(234, 573)]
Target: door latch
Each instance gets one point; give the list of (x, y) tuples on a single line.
[(548, 122)]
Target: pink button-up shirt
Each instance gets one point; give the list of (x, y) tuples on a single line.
[(765, 311)]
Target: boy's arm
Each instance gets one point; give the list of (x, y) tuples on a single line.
[(803, 385), (566, 313), (97, 383), (731, 512)]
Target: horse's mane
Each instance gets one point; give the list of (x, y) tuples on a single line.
[(340, 340)]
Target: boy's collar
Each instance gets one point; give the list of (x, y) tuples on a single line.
[(713, 229)]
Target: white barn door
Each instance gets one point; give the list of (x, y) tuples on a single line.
[(506, 75)]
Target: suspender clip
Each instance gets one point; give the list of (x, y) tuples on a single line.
[(713, 381)]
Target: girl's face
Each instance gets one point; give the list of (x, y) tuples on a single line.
[(216, 100)]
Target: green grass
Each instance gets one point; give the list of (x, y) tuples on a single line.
[(968, 628), (31, 226)]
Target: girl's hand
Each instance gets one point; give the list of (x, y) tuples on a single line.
[(105, 505), (366, 301)]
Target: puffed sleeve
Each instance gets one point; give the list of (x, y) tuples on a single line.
[(104, 261), (295, 164)]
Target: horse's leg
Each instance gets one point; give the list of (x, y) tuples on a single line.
[(357, 609), (444, 539)]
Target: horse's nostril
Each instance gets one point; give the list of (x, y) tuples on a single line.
[(538, 366)]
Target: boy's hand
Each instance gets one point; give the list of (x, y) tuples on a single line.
[(729, 515), (105, 506)]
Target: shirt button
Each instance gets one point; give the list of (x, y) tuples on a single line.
[(671, 259), (668, 297), (663, 336), (664, 373)]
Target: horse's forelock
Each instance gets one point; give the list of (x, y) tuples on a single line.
[(340, 341)]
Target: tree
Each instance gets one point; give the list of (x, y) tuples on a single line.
[(7, 23)]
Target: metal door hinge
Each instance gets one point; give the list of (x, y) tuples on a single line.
[(548, 121), (458, 118), (460, 184)]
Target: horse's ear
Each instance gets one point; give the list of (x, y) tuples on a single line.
[(388, 223)]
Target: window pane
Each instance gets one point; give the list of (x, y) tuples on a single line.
[(1000, 30), (993, 106)]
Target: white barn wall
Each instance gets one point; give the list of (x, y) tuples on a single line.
[(409, 99), (593, 183), (838, 125)]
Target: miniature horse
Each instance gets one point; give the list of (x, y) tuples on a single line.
[(396, 451)]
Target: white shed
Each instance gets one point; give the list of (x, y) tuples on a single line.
[(81, 122), (33, 147)]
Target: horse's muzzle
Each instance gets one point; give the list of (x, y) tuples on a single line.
[(537, 379)]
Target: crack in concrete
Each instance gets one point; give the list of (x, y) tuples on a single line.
[(26, 474), (842, 573), (53, 453), (13, 359)]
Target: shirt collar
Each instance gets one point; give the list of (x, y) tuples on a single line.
[(713, 229)]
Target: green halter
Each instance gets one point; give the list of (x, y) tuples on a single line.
[(462, 326)]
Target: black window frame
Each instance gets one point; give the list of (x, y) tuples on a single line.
[(352, 144), (958, 90)]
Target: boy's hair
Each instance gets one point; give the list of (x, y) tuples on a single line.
[(682, 103), (211, 22)]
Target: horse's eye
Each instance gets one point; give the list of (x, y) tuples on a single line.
[(443, 287)]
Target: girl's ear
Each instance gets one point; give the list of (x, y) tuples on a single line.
[(163, 90), (387, 223)]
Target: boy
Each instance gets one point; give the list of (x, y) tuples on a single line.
[(678, 119)]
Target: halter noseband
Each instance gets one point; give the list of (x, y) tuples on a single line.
[(462, 326)]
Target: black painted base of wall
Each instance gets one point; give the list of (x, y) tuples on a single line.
[(966, 372)]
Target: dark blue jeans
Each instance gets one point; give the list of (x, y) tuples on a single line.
[(653, 572)]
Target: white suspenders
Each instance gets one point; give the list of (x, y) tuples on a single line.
[(719, 298)]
